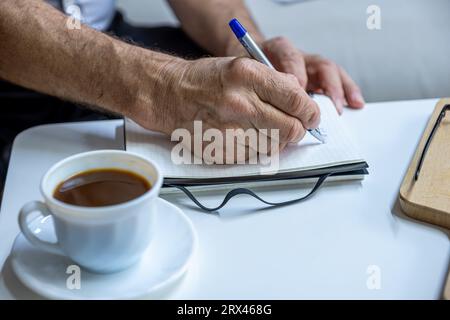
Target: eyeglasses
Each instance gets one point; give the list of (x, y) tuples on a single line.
[(430, 138)]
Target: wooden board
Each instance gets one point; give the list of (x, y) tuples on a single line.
[(446, 294), (428, 198)]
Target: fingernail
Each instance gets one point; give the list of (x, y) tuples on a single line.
[(358, 98)]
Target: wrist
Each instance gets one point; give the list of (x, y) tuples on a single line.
[(120, 79), (153, 83)]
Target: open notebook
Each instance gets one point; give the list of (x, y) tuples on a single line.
[(302, 162)]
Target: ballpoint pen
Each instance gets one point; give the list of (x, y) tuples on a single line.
[(256, 53)]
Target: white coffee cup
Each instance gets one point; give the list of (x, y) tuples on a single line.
[(101, 239)]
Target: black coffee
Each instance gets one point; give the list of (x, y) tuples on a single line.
[(101, 187)]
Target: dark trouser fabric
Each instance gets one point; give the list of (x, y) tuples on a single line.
[(21, 108)]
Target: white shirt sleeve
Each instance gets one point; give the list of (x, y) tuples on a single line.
[(96, 13)]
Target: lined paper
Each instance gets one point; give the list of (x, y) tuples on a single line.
[(306, 155)]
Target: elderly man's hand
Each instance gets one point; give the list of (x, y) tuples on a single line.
[(230, 93), (313, 72)]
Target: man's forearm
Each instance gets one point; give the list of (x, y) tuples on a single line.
[(40, 52), (207, 22)]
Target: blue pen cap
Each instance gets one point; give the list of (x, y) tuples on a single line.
[(237, 28)]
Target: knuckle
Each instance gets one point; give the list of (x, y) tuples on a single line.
[(291, 78), (252, 111), (328, 64), (313, 117), (234, 102), (294, 131), (280, 40), (241, 65), (272, 83), (295, 103)]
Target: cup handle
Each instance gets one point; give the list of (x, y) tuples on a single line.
[(29, 235)]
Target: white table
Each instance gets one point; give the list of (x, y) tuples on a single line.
[(321, 248)]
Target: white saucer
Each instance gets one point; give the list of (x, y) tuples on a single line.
[(164, 262)]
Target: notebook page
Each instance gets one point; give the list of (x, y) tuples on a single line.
[(306, 155)]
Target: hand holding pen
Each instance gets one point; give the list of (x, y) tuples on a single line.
[(256, 53)]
